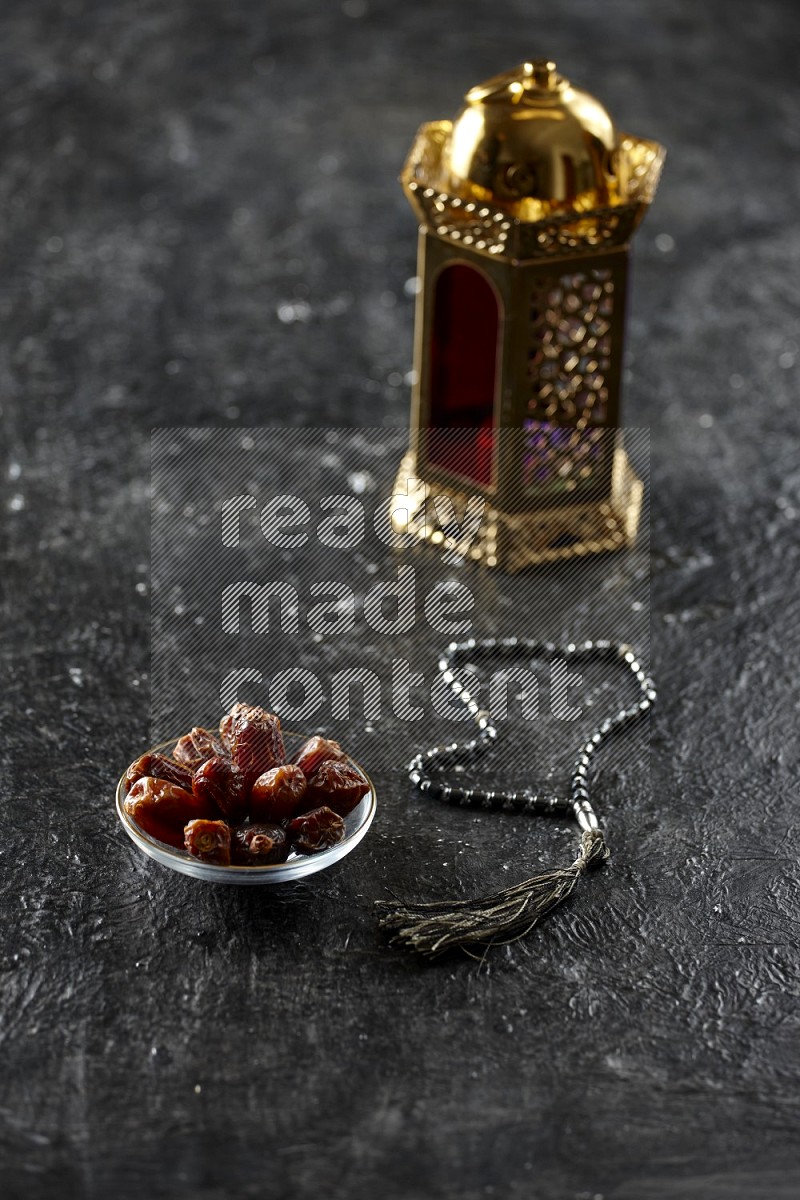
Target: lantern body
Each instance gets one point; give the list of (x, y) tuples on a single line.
[(520, 322)]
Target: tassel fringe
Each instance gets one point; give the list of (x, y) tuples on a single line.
[(433, 928)]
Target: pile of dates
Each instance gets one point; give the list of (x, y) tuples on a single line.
[(231, 796)]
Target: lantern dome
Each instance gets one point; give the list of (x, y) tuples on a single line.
[(530, 167), (532, 143)]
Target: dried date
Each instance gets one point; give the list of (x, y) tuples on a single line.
[(207, 743), (209, 841), (316, 830), (165, 802), (159, 767), (195, 748), (316, 751), (338, 785), (150, 824), (260, 845), (226, 724), (221, 784), (256, 742), (184, 752), (277, 794)]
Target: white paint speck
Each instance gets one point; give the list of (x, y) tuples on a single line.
[(786, 360), (76, 675), (181, 152), (17, 502), (665, 242), (105, 71), (115, 395), (410, 378), (247, 442), (705, 420), (141, 588), (197, 1089), (339, 304), (360, 482), (736, 382), (14, 470), (291, 311), (413, 286)]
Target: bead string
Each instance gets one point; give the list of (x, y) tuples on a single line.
[(526, 801)]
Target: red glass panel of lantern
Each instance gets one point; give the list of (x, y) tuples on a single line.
[(463, 373)]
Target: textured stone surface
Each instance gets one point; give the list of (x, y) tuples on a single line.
[(202, 226)]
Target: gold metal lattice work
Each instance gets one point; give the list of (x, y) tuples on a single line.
[(568, 356)]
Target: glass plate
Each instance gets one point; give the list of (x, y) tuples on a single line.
[(296, 866)]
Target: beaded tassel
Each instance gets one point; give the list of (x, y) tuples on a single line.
[(434, 927)]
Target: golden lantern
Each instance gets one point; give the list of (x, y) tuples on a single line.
[(527, 203)]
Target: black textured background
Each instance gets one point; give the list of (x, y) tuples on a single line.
[(201, 224)]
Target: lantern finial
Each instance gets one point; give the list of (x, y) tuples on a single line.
[(543, 72)]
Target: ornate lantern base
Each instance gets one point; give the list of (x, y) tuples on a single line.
[(514, 541)]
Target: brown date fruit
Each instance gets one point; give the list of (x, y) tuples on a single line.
[(257, 742), (277, 794), (316, 830), (222, 786), (167, 803), (316, 751), (184, 752), (159, 767), (171, 834), (226, 724), (197, 747), (259, 845), (337, 785), (207, 743), (209, 841)]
